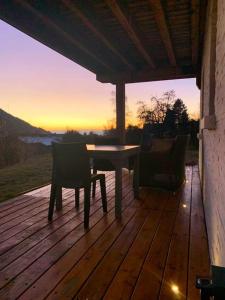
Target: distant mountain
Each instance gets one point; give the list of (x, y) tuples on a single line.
[(10, 125)]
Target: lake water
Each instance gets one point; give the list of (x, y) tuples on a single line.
[(57, 137), (99, 132), (46, 140)]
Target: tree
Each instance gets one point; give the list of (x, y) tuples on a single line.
[(169, 122), (177, 119), (156, 112), (181, 117), (72, 136), (133, 135), (164, 115), (194, 130)]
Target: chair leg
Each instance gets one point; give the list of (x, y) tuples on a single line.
[(59, 198), (87, 191), (94, 184), (77, 197), (103, 194), (52, 201)]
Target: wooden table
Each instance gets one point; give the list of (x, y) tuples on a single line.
[(118, 155)]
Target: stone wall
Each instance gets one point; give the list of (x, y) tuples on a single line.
[(213, 102)]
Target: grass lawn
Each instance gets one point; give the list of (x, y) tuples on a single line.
[(25, 176)]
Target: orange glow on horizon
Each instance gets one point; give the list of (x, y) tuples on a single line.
[(49, 91), (74, 123), (61, 125)]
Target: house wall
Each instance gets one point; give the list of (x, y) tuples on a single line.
[(213, 140)]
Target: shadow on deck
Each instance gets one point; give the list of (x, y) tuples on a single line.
[(155, 251)]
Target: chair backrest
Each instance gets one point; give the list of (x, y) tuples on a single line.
[(104, 164), (146, 138), (101, 140), (71, 165), (180, 144), (179, 152)]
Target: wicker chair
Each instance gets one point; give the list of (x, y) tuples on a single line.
[(164, 169), (71, 169), (103, 164)]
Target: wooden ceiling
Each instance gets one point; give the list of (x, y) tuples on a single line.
[(120, 41)]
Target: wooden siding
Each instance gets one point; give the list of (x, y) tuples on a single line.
[(160, 242)]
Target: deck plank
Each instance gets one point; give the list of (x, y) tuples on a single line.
[(23, 198), (24, 213), (124, 281), (39, 228), (64, 235), (174, 282), (65, 266), (42, 230), (199, 257), (39, 258), (35, 199), (122, 237), (160, 240), (154, 263), (21, 223)]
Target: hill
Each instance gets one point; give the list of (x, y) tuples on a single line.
[(10, 125)]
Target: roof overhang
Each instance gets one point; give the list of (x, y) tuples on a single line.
[(120, 41)]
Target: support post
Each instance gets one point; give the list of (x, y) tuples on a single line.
[(120, 111)]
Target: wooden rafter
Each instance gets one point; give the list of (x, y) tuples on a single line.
[(54, 25), (67, 36), (202, 26), (71, 5), (160, 18), (195, 31), (118, 13)]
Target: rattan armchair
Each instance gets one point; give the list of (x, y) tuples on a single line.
[(164, 169)]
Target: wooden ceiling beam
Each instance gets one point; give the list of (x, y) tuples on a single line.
[(120, 16), (160, 18), (203, 5), (71, 5), (195, 31), (147, 74), (65, 34)]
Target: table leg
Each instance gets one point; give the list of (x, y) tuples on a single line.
[(118, 188), (136, 177)]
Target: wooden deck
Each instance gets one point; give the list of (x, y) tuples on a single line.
[(154, 252)]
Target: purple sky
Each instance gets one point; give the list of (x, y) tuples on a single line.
[(48, 90)]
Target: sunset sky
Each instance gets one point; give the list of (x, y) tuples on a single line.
[(47, 90)]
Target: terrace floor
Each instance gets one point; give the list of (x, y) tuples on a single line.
[(154, 252)]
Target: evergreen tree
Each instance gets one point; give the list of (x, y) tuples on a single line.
[(181, 118), (169, 123)]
